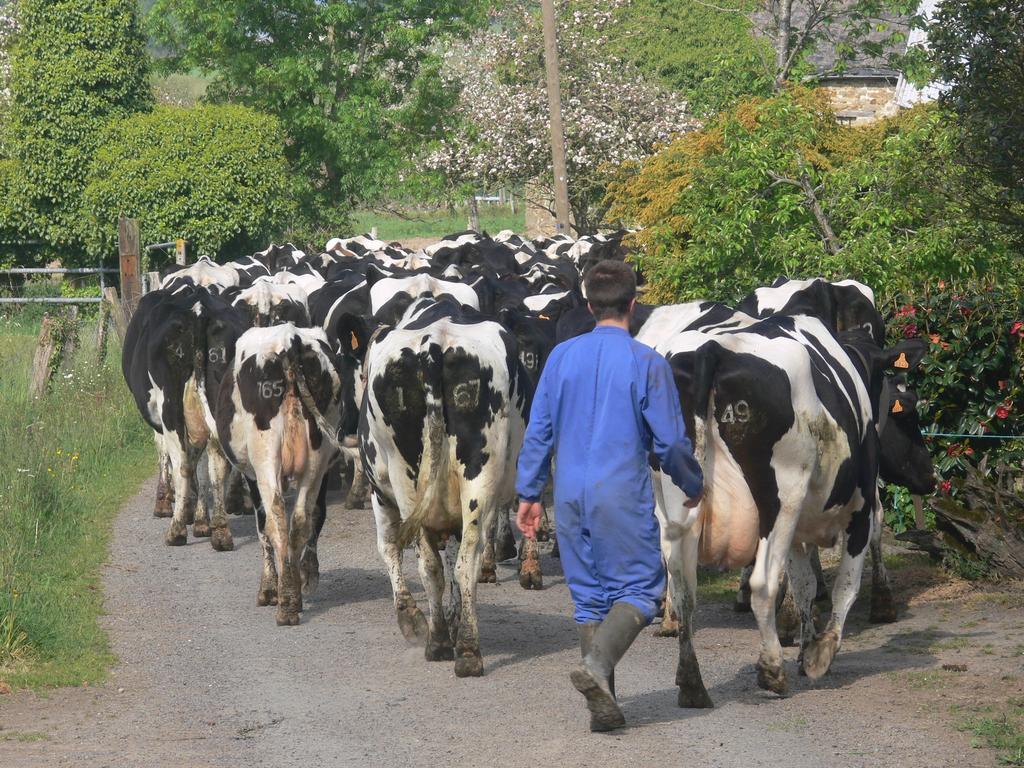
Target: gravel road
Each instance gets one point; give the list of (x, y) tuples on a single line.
[(206, 678)]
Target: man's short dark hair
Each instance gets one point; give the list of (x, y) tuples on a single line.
[(611, 287)]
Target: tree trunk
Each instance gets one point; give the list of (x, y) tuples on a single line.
[(474, 213), (782, 42)]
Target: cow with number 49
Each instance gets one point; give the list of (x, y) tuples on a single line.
[(442, 418)]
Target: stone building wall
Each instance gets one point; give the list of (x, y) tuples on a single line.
[(859, 101)]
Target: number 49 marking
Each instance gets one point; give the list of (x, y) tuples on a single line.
[(736, 412)]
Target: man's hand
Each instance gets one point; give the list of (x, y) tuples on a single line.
[(528, 518), (693, 501)]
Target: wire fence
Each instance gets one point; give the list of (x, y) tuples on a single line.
[(101, 271)]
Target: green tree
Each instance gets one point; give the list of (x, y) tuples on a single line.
[(75, 64), (351, 82), (978, 49), (775, 187), (213, 174), (708, 55)]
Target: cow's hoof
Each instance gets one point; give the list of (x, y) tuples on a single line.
[(221, 540), (413, 624), (163, 507), (531, 579), (266, 597), (173, 539), (469, 666), (772, 678), (201, 529), (819, 653), (694, 698), (883, 609), (287, 618), (309, 572), (668, 628), (488, 576), (442, 650)]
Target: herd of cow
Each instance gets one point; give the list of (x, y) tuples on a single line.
[(416, 370)]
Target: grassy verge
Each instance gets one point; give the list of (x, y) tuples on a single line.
[(437, 223), (1000, 728), (67, 462)]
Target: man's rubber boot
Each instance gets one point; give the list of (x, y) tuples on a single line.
[(586, 633), (609, 644)]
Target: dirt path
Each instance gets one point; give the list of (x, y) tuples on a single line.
[(207, 679)]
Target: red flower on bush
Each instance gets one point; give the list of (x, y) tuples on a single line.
[(910, 331), (1017, 328), (1002, 412), (946, 486)]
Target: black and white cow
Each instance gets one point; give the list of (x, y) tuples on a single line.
[(784, 418), (442, 419), (390, 297), (178, 347), (273, 303), (204, 273), (282, 392)]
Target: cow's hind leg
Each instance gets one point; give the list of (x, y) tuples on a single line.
[(439, 639), (309, 564), (289, 602), (742, 604), (238, 499), (163, 506), (468, 661), (489, 565), (802, 588), (411, 620), (359, 490), (204, 496), (822, 649), (267, 594), (218, 470), (682, 570), (184, 496), (883, 607), (764, 588)]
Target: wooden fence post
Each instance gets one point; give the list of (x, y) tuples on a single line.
[(130, 254), (101, 328), (117, 312), (69, 340), (41, 368)]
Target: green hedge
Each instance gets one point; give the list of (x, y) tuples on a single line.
[(215, 175)]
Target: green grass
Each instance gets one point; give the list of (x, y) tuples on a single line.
[(1001, 729), (67, 462), (24, 736), (717, 586), (437, 222)]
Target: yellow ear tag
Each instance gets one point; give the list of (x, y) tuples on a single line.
[(897, 407), (355, 341), (901, 361)]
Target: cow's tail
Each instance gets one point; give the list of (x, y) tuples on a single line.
[(702, 396), (198, 431), (432, 476)]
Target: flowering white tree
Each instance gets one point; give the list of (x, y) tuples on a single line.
[(611, 114), (7, 27)]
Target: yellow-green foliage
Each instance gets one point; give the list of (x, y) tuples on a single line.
[(725, 209)]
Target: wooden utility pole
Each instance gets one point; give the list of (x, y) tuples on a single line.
[(130, 252), (555, 110)]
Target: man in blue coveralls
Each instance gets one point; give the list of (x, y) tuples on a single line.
[(603, 404)]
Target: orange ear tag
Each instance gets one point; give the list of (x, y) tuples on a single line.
[(543, 317), (897, 407), (355, 341), (901, 361)]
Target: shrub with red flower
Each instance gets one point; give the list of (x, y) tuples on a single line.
[(972, 380)]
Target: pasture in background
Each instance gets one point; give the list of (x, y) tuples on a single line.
[(435, 223)]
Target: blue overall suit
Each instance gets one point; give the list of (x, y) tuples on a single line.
[(603, 403)]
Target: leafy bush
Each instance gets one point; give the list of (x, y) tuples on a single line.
[(972, 380), (75, 64), (776, 187), (215, 175)]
